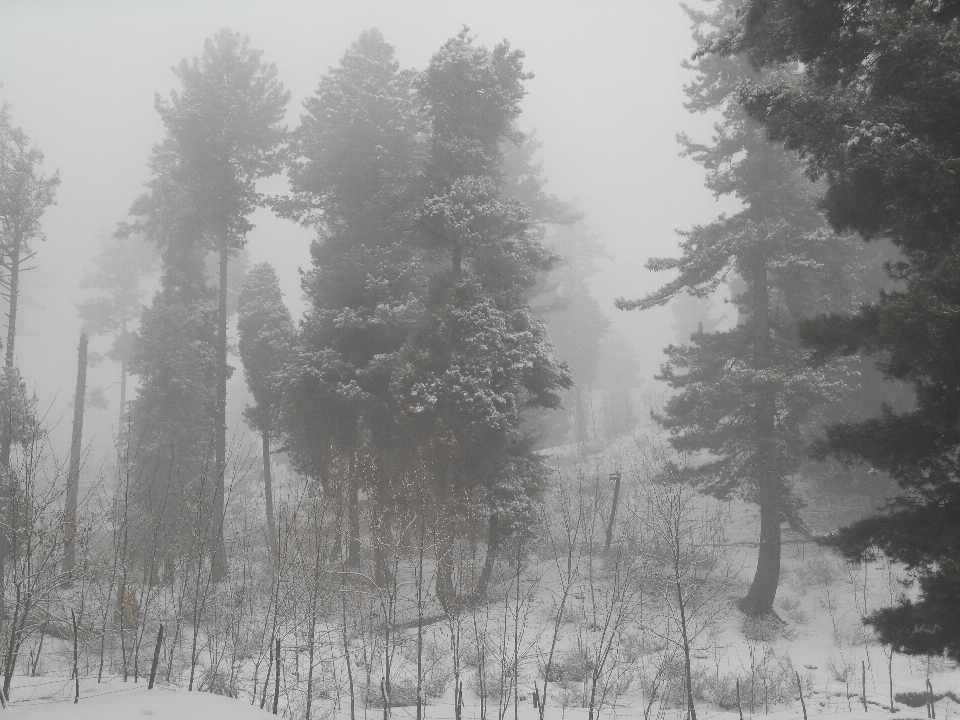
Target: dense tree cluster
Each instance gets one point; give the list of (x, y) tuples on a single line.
[(866, 91), (412, 397), (420, 354)]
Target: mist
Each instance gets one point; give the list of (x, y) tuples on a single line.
[(605, 101), (486, 354)]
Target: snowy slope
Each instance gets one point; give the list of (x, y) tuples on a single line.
[(135, 701)]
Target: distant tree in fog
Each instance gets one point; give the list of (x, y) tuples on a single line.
[(25, 194), (356, 162), (562, 297), (267, 336), (477, 358), (223, 133), (117, 298), (745, 394)]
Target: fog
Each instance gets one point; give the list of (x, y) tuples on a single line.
[(606, 102)]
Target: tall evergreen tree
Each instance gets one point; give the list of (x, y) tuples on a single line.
[(25, 194), (267, 336), (743, 395), (872, 109), (168, 443), (358, 154), (574, 320), (223, 134), (117, 298), (478, 357)]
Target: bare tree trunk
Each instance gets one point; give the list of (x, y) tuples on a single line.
[(6, 436), (763, 590), (123, 381), (681, 605), (219, 556), (451, 601), (14, 286), (73, 478), (268, 495)]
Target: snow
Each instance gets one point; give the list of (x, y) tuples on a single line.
[(109, 702)]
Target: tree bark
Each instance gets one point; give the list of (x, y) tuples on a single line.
[(123, 381), (451, 601), (219, 555), (14, 292), (268, 496), (759, 599), (76, 449), (354, 547), (7, 436)]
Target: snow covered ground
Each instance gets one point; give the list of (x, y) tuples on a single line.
[(129, 702), (822, 643)]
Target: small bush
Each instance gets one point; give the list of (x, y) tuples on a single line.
[(794, 613), (764, 629), (719, 689), (840, 670), (818, 572)]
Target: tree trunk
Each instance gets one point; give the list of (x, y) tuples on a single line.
[(681, 605), (268, 496), (76, 448), (7, 435), (123, 381), (354, 547), (219, 556), (451, 601), (763, 590), (456, 261), (14, 292)]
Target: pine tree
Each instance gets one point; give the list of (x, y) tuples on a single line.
[(478, 358), (25, 194), (168, 444), (223, 134), (358, 155), (267, 336), (873, 110), (575, 323), (115, 278), (744, 395)]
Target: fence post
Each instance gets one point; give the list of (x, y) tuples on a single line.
[(156, 658)]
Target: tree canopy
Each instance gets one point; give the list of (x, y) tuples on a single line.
[(866, 90)]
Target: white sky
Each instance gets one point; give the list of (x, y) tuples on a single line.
[(606, 102)]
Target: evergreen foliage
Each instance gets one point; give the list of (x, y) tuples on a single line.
[(419, 354), (872, 109), (745, 395), (267, 336), (222, 135)]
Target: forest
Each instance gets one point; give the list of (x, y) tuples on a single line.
[(450, 493)]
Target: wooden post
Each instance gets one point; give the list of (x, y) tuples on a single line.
[(156, 658), (615, 476), (76, 664), (800, 690)]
